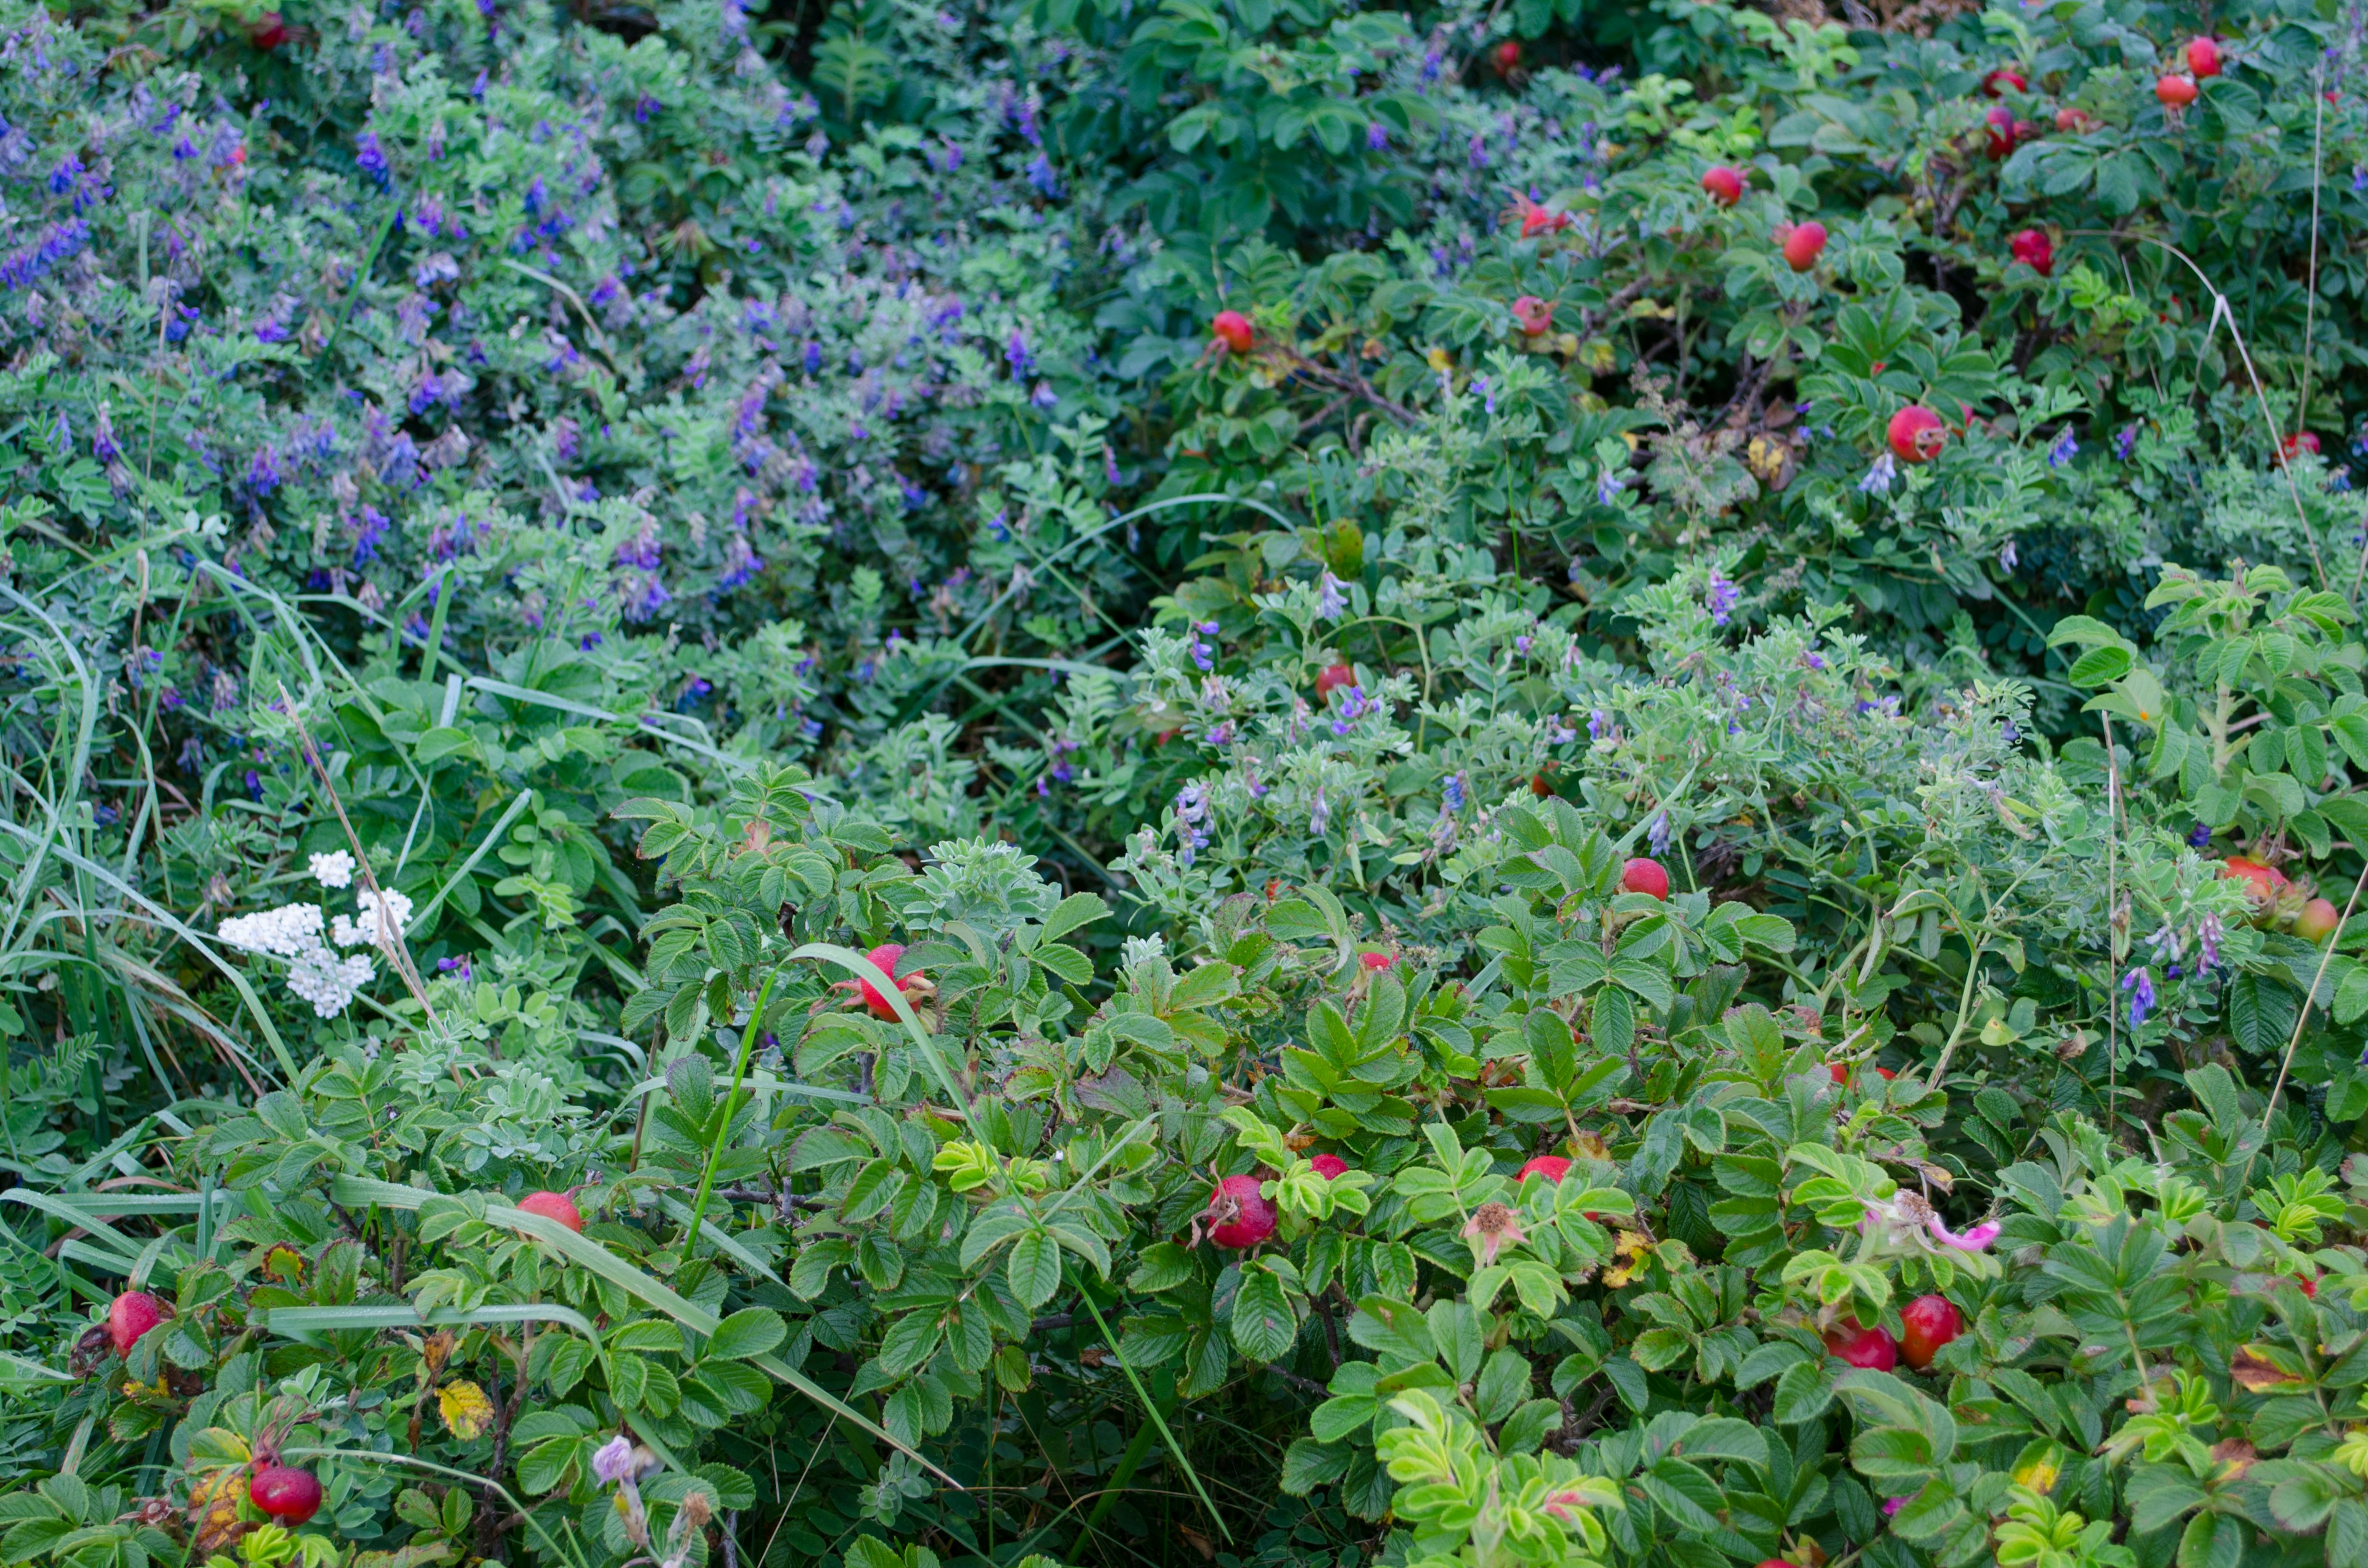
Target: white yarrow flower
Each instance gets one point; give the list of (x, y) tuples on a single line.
[(327, 980), (364, 928), (284, 932), (334, 870)]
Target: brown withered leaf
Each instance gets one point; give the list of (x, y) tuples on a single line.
[(2236, 1454), (2257, 1373)]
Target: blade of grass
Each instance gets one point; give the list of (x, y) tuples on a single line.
[(1152, 1410), (723, 1121)]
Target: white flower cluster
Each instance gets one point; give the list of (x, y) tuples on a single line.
[(284, 932), (377, 915), (292, 931), (327, 980)]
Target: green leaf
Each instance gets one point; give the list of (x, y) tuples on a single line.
[(751, 1331), (1263, 1326), (1034, 1269)]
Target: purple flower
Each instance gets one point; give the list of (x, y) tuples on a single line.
[(2199, 836), (1657, 835), (1377, 137), (1720, 597), (1045, 396), (2065, 449), (370, 158), (1451, 797), (2125, 443), (2139, 984), (1608, 486), (263, 474), (1040, 175), (1879, 476), (1015, 355)]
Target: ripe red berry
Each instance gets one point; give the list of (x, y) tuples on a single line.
[(1535, 315), (1725, 184), (2001, 82), (2176, 92), (555, 1206), (1917, 435), (2034, 250), (1233, 330), (1375, 961), (1870, 1347), (288, 1494), (1332, 677), (1641, 875), (1998, 126), (2075, 120), (2318, 921), (1238, 1216), (1507, 54), (2300, 441), (884, 959), (1926, 1324), (131, 1315), (2309, 1286), (1838, 1072), (268, 31), (1803, 245), (1331, 1167), (1554, 1168), (2203, 57), (2267, 882)]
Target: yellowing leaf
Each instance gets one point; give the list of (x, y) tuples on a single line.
[(465, 1408)]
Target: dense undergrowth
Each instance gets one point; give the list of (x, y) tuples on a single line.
[(1506, 784)]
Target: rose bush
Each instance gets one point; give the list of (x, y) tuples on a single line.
[(1037, 783)]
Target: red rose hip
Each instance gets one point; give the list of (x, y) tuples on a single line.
[(129, 1316), (1870, 1347), (2034, 250), (2318, 921), (1926, 1324), (1535, 315), (1233, 329), (2001, 82), (554, 1206), (1997, 126), (1916, 434), (884, 959), (1641, 875), (1724, 185), (288, 1494), (268, 31), (1804, 245), (2175, 91), (1554, 1168), (2267, 882), (1331, 678), (2203, 57), (1506, 55), (1331, 1167), (1236, 1216)]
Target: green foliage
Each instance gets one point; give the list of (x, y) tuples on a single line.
[(720, 845)]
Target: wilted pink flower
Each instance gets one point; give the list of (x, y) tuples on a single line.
[(1977, 1239), (1495, 1227)]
